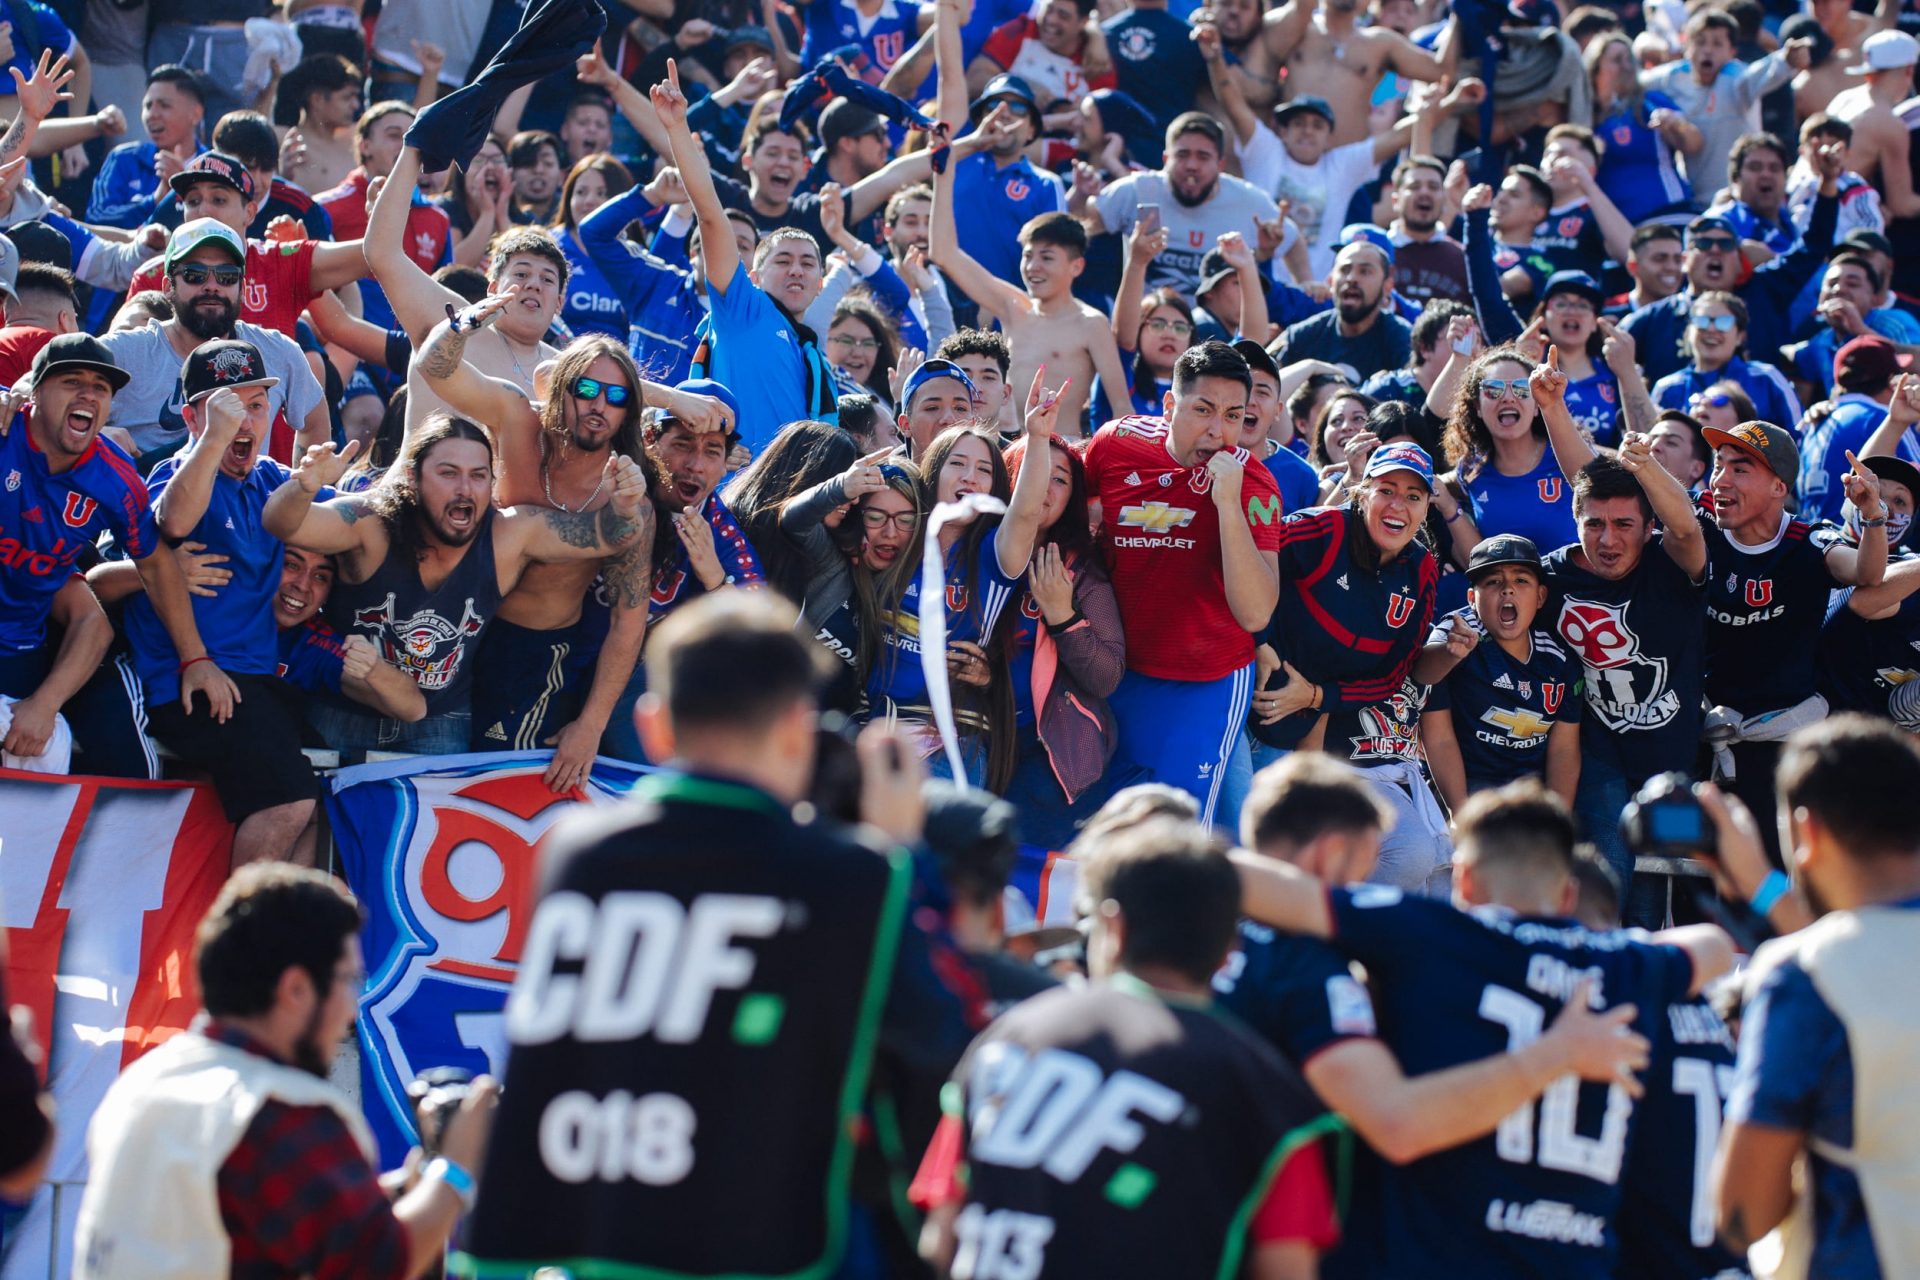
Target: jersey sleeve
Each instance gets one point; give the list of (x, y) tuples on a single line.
[(1264, 508), (1824, 537), (132, 522), (1790, 1044), (1003, 46), (1387, 931), (1117, 205)]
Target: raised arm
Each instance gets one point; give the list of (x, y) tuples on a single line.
[(37, 95), (943, 244), (633, 105), (1622, 356), (328, 528), (1013, 540), (337, 262), (467, 390), (717, 250), (1226, 85), (1903, 410), (1548, 385), (1498, 320), (418, 302), (183, 503), (1865, 565), (1252, 576), (365, 341), (1143, 246), (1253, 290)]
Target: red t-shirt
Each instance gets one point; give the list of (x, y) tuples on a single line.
[(1055, 77), (427, 227), (1161, 532), (19, 344), (277, 288)]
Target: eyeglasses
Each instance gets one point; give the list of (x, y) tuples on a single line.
[(1501, 388), (225, 277), (876, 519), (591, 388), (1572, 303), (1718, 400), (1719, 324), (1715, 244), (856, 344), (1161, 325)]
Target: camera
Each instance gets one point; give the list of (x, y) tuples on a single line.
[(1665, 820), (437, 1093)]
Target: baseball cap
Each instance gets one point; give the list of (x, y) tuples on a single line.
[(1401, 457), (1306, 103), (1886, 51), (1575, 282), (1764, 441), (1861, 240), (189, 236), (38, 242), (1004, 85), (223, 362), (1804, 26), (716, 390), (1898, 470), (1502, 548), (1213, 270), (213, 166), (748, 37), (1867, 362), (929, 371), (844, 118), (1710, 222), (1366, 233), (78, 351), (1258, 358), (9, 268)]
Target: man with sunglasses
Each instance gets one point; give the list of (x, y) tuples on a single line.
[(205, 275), (997, 190)]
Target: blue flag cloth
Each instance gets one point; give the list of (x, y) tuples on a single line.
[(830, 80), (551, 37)]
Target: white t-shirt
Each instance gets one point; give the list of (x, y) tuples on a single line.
[(1317, 194), (1236, 205)]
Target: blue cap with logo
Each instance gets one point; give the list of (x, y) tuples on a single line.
[(929, 371), (1401, 457), (716, 391)]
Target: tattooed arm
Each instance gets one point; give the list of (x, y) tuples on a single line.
[(540, 534), (466, 390)]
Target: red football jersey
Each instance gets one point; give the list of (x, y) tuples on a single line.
[(1162, 537), (275, 292)]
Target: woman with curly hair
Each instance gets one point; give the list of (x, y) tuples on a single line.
[(1498, 447)]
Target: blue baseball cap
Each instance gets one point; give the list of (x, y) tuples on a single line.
[(1401, 457), (1367, 233), (716, 390), (930, 371)]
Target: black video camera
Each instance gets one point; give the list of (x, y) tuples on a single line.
[(1665, 820), (437, 1093)]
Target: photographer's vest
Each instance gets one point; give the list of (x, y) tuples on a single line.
[(156, 1144), (1850, 956), (690, 1036)]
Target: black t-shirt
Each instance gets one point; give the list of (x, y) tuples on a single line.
[(1862, 661), (1642, 642), (1765, 607), (1385, 345)]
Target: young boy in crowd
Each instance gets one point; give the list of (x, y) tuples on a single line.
[(1503, 710)]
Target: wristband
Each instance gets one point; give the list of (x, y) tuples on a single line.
[(1457, 513), (458, 1180), (1771, 890), (1073, 620), (190, 661), (1878, 522)]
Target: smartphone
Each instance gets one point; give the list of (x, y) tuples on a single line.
[(1148, 218)]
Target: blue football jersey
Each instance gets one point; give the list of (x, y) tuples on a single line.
[(1537, 505), (1537, 1197), (1296, 992), (46, 520), (1504, 709), (883, 37), (312, 656)]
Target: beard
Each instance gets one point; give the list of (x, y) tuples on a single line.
[(1194, 201), (447, 535), (1355, 312), (309, 1055), (204, 322)]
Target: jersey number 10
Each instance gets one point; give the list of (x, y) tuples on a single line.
[(1558, 1147)]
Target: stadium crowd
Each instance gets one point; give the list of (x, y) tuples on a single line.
[(1391, 434)]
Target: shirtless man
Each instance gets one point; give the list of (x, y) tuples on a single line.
[(1328, 55), (1241, 34), (1850, 30), (1878, 151), (318, 151)]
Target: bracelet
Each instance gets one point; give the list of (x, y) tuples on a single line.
[(1771, 890), (1878, 522), (458, 1180), (190, 661), (1457, 513), (1072, 620)]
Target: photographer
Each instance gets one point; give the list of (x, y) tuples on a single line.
[(1827, 1046), (705, 982), (225, 1151)]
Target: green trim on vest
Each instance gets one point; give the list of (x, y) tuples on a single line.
[(1289, 1143), (688, 788)]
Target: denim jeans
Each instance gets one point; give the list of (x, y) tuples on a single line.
[(345, 729)]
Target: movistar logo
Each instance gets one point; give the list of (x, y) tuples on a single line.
[(1263, 510)]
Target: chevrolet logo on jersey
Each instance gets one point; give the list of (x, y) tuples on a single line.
[(1156, 517), (1517, 723)]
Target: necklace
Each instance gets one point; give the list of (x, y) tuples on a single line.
[(526, 379), (546, 483)]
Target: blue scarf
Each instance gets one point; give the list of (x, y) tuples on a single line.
[(676, 581)]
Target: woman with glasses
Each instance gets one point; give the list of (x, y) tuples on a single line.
[(1340, 420), (1569, 317), (1716, 337), (1498, 447), (862, 345), (1068, 653)]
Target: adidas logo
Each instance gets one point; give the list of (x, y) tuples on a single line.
[(229, 522), (1133, 477), (1504, 682), (1206, 770), (496, 734), (1342, 580)]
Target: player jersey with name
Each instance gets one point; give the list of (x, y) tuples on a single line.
[(312, 656), (976, 598), (1161, 533), (46, 520), (276, 290), (1503, 709), (1641, 641), (1295, 991), (1765, 607), (1861, 661), (1537, 505), (1112, 1131), (1538, 1196), (236, 622), (1353, 631), (1667, 1216)]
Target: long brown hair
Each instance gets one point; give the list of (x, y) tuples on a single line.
[(1467, 436), (618, 177), (556, 410), (1073, 531), (875, 594), (396, 498)]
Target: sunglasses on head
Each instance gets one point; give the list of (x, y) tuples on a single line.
[(1718, 400), (1500, 388), (1715, 244), (1720, 324), (590, 389), (225, 277)]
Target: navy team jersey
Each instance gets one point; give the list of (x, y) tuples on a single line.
[(1667, 1215), (1570, 238), (1538, 1196), (1765, 607), (1641, 644), (1861, 661), (883, 37), (1595, 405), (311, 656), (1537, 505), (1295, 991), (46, 520), (1504, 709), (897, 676)]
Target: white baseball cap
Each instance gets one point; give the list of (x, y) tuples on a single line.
[(1887, 51)]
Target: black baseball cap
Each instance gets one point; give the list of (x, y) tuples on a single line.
[(1004, 85), (1898, 470), (223, 362), (213, 166), (1861, 240), (1258, 358), (748, 37), (1502, 548), (78, 351), (1575, 282), (1305, 104), (1213, 270), (38, 242), (845, 118)]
